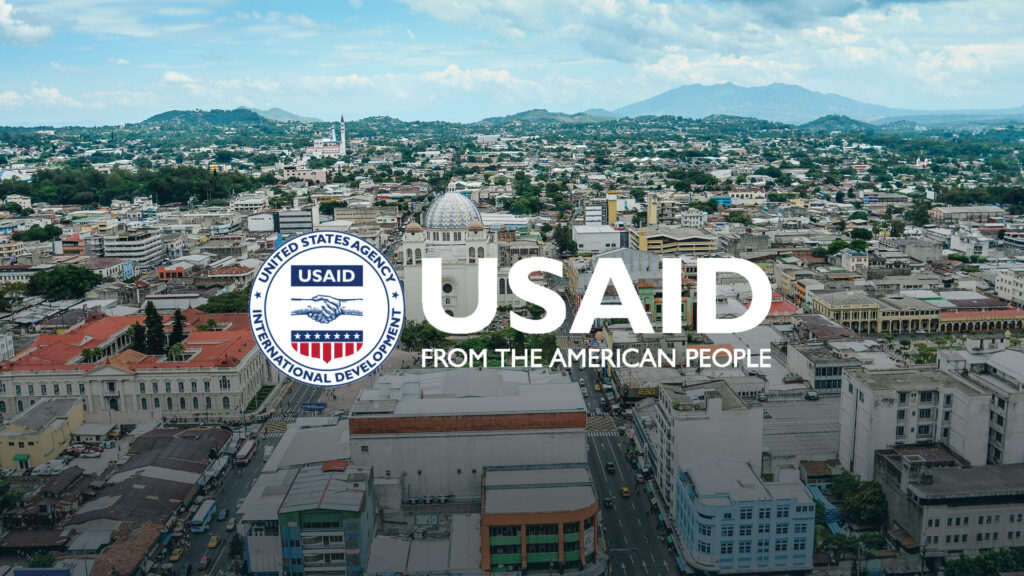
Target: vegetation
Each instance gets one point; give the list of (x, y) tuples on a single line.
[(562, 237), (178, 330), (861, 503), (420, 335), (11, 293), (42, 561), (987, 563), (138, 336), (156, 339), (510, 338), (62, 282), (236, 301), (38, 233), (258, 399)]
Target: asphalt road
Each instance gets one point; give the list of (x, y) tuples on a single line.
[(630, 526)]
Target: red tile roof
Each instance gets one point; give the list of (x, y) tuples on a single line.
[(1001, 314)]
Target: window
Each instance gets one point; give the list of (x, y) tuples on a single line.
[(927, 396), (31, 390), (745, 513), (17, 389), (181, 402), (206, 386), (144, 404), (226, 402), (782, 529), (782, 512), (156, 403), (195, 386), (364, 449), (67, 389), (726, 548), (925, 413), (142, 387), (167, 387), (901, 414), (745, 530), (726, 531), (800, 528), (704, 529), (924, 430), (703, 546), (209, 403), (195, 403), (42, 389), (81, 388), (156, 387), (744, 547), (899, 431), (799, 545), (781, 545), (903, 397)]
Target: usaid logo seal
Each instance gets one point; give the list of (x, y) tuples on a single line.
[(327, 308)]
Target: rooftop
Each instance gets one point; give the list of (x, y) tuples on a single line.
[(911, 379), (41, 415), (977, 482), (314, 489), (532, 490)]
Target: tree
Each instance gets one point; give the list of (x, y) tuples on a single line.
[(861, 234), (739, 218), (236, 301), (420, 335), (138, 335), (563, 239), (155, 337), (90, 355), (38, 233), (209, 324), (897, 228), (859, 245), (820, 252), (838, 245), (63, 282), (236, 551), (859, 215), (176, 351), (178, 330), (917, 214), (10, 293), (42, 561), (839, 196), (1003, 560)]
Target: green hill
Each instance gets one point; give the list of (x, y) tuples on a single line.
[(207, 117)]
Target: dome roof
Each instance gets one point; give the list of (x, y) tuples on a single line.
[(451, 211), (414, 227), (476, 225)]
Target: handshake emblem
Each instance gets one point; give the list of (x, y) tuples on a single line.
[(325, 309)]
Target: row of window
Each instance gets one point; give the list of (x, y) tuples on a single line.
[(44, 389), (744, 547), (965, 521), (208, 405)]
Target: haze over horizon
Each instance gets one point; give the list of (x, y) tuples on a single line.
[(91, 62)]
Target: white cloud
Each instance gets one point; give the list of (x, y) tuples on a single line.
[(177, 78), (50, 96), (11, 99), (471, 79), (410, 34), (357, 4), (119, 61), (14, 29), (62, 67)]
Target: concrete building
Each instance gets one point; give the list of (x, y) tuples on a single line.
[(672, 240), (692, 421), (297, 221), (951, 510), (40, 433), (955, 214), (146, 247), (732, 522), (885, 408), (1010, 285), (693, 218), (435, 430), (533, 517), (327, 520), (222, 371), (595, 239), (819, 365)]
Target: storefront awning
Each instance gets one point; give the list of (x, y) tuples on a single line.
[(21, 457)]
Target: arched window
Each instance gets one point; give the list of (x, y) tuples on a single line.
[(227, 403), (114, 405), (21, 405), (145, 405), (209, 403), (3, 407), (156, 403), (181, 402), (419, 256), (195, 403)]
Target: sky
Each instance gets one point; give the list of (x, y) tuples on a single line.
[(107, 62)]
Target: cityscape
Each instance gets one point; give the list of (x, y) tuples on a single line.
[(875, 426)]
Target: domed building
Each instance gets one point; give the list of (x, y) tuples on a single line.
[(453, 231)]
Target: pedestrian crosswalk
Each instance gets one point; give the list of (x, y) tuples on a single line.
[(602, 425), (276, 428)]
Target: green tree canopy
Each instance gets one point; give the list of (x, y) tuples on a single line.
[(236, 301), (63, 282), (38, 233), (420, 335), (178, 329), (861, 234), (156, 339)]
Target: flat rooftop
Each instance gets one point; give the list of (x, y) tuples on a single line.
[(976, 482), (911, 379), (531, 490), (314, 489), (437, 392), (43, 414)]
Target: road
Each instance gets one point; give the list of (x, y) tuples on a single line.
[(630, 526), (235, 484)]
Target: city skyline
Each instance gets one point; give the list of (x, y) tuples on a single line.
[(94, 62)]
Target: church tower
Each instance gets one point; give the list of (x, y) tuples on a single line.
[(341, 136)]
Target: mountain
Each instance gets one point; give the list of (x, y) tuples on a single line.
[(208, 117), (797, 105), (837, 123), (541, 116), (279, 115)]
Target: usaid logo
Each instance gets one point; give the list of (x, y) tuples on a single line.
[(327, 308)]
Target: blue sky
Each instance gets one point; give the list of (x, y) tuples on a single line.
[(112, 61)]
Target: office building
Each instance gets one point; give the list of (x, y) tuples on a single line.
[(40, 433), (733, 522)]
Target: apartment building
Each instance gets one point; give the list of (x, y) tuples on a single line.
[(955, 214), (885, 408), (1010, 285), (733, 522), (146, 247), (726, 424), (671, 240)]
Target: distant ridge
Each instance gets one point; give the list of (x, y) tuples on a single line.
[(541, 116), (795, 105), (207, 117), (279, 115)]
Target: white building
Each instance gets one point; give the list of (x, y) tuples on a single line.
[(434, 430), (143, 246), (330, 145), (594, 239), (452, 230), (23, 201), (222, 371), (969, 243), (250, 202), (693, 218), (1010, 285), (689, 422), (884, 408)]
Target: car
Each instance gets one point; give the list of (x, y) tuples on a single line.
[(214, 541), (204, 562), (230, 525), (609, 467), (639, 478), (597, 387), (810, 395), (624, 492), (585, 393), (222, 514), (107, 444), (91, 454), (176, 554), (608, 503)]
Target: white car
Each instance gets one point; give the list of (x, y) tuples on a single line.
[(230, 526), (92, 454)]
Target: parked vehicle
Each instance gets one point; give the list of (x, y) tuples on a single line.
[(92, 454), (176, 554), (810, 395)]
